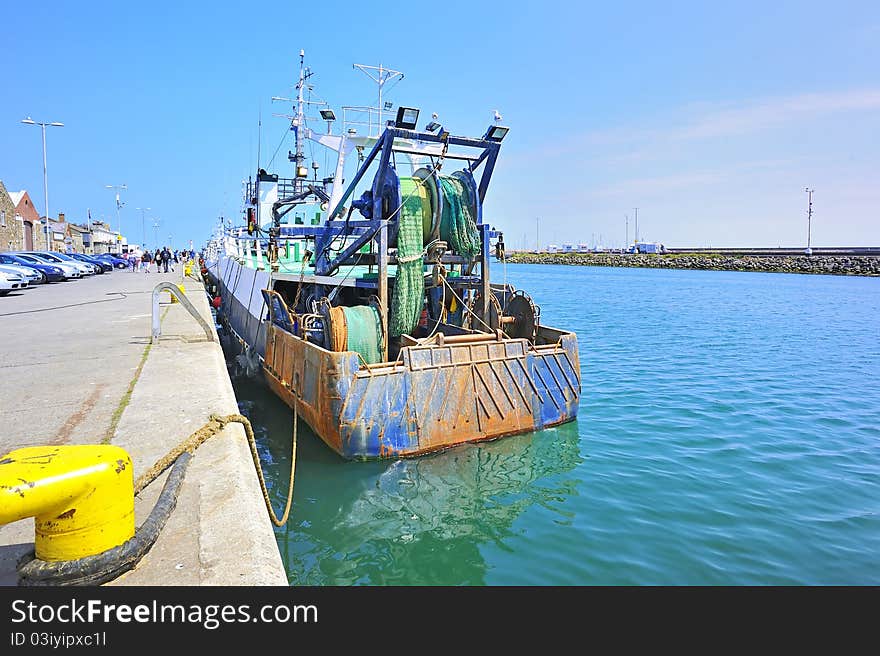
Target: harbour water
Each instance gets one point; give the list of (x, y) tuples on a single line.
[(728, 433)]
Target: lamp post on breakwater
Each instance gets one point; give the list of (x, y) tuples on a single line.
[(809, 251)]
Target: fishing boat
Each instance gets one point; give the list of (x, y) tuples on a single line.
[(366, 300)]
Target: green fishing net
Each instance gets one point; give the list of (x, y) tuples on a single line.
[(364, 329), (409, 285), (457, 227)]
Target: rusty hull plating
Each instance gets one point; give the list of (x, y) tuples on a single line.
[(432, 398)]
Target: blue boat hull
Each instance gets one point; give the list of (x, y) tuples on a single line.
[(435, 397)]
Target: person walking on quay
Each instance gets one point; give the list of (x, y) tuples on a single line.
[(166, 258), (145, 261)]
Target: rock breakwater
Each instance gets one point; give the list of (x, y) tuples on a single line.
[(834, 265)]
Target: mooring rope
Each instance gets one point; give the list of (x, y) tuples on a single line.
[(215, 425), (107, 565)]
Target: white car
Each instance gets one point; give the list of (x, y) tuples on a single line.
[(60, 258), (10, 281), (70, 271), (91, 268), (32, 276)]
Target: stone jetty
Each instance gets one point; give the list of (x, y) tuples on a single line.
[(849, 265)]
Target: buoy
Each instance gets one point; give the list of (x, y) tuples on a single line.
[(81, 498)]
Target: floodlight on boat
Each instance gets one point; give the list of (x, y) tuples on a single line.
[(496, 133), (433, 126), (389, 105), (407, 117), (328, 115)]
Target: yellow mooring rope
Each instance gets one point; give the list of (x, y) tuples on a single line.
[(202, 435)]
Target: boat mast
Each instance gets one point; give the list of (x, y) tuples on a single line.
[(384, 75), (299, 122)]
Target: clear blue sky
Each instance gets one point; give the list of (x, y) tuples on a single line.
[(709, 117)]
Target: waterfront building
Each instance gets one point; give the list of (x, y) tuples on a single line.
[(11, 231), (103, 239), (30, 218), (57, 231), (75, 238)]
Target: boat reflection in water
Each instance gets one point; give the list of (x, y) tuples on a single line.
[(419, 521)]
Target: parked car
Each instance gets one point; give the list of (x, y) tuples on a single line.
[(117, 262), (10, 281), (105, 266), (69, 270), (32, 276), (51, 273), (69, 257), (59, 258), (90, 268)]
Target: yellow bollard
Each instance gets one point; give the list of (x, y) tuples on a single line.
[(81, 497), (174, 298)]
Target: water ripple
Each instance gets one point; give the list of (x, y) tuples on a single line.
[(728, 434)]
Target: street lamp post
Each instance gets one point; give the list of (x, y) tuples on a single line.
[(143, 228), (809, 191), (30, 121), (118, 220), (156, 233)]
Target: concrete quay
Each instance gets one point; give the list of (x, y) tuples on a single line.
[(77, 367)]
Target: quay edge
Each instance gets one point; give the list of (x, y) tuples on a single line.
[(219, 533)]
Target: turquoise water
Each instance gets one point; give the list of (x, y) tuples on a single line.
[(727, 434)]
